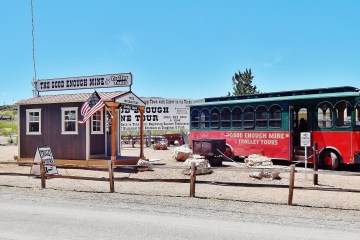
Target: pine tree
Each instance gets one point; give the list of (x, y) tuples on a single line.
[(242, 83)]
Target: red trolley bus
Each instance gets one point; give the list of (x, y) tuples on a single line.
[(270, 124)]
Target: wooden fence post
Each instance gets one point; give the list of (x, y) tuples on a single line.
[(111, 176), (316, 163), (42, 174), (291, 184), (192, 179)]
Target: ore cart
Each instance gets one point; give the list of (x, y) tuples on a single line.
[(211, 149)]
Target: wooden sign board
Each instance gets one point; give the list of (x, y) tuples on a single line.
[(85, 82), (130, 99), (44, 154)]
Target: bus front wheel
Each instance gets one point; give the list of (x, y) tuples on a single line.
[(330, 160)]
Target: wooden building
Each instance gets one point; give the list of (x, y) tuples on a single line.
[(52, 120)]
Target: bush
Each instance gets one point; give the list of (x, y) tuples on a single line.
[(7, 127)]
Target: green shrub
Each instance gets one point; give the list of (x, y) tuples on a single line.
[(8, 127)]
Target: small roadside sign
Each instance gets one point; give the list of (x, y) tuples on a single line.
[(305, 139), (44, 154)]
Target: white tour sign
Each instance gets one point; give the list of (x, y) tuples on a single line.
[(44, 154), (86, 82), (159, 114)]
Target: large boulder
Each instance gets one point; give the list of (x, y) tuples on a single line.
[(160, 146), (257, 160), (182, 153), (199, 163)]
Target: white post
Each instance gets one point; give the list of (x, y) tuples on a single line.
[(306, 160)]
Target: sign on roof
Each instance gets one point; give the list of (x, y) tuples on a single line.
[(130, 99), (87, 82)]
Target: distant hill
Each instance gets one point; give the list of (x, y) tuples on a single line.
[(8, 108)]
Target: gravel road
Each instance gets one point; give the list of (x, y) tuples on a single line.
[(36, 213), (337, 192)]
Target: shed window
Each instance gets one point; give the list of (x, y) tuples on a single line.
[(33, 121), (97, 123), (225, 116), (261, 117), (275, 116), (325, 115), (69, 119), (248, 117), (195, 119), (215, 118), (236, 117)]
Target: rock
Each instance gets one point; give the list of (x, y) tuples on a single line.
[(275, 176), (147, 165), (257, 160), (262, 174), (182, 153), (200, 163), (159, 146)]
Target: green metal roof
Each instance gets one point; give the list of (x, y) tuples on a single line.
[(286, 98)]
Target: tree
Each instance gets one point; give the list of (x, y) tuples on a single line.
[(242, 83)]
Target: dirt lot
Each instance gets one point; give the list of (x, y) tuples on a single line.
[(334, 191)]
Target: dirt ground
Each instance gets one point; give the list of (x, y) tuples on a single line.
[(230, 181)]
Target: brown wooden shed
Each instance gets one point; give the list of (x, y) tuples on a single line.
[(52, 120)]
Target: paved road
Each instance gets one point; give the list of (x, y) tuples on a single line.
[(52, 214)]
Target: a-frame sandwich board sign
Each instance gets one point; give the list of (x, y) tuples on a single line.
[(44, 154)]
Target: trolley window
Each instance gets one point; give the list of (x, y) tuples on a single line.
[(261, 117), (236, 117), (195, 119), (275, 116), (357, 114), (225, 117), (343, 114), (204, 119), (215, 118), (248, 117), (324, 115)]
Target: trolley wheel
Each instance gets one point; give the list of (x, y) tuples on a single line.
[(229, 151), (330, 160)]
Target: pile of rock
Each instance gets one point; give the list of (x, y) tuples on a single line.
[(259, 161), (159, 146), (199, 163), (182, 153)]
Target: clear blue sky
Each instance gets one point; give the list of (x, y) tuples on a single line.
[(182, 48)]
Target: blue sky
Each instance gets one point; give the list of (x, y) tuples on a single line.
[(181, 49)]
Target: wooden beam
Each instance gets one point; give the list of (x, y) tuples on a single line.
[(141, 110), (291, 184)]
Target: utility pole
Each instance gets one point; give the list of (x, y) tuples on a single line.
[(33, 83)]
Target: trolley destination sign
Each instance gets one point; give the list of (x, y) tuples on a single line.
[(86, 82)]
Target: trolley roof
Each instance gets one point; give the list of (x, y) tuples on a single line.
[(283, 96)]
